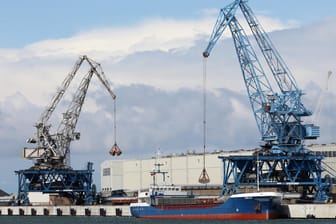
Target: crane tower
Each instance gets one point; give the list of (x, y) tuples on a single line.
[(283, 160), (52, 172)]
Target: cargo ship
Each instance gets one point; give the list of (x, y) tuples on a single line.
[(163, 201), (244, 206)]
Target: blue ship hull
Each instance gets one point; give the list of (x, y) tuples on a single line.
[(250, 206)]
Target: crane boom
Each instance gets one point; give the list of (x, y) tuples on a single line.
[(56, 99), (225, 16), (319, 103)]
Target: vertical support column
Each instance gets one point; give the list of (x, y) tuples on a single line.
[(22, 197), (224, 177)]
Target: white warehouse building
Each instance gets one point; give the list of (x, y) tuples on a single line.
[(184, 169)]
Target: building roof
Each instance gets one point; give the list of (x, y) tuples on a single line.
[(3, 193)]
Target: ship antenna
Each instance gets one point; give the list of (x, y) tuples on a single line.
[(204, 177)]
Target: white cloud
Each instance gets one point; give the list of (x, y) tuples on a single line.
[(45, 63), (155, 34)]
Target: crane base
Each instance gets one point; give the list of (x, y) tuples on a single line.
[(73, 184), (296, 173)]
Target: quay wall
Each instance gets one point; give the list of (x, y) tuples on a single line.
[(95, 210), (292, 211), (317, 211)]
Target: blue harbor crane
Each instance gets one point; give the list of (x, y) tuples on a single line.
[(283, 161), (52, 172)]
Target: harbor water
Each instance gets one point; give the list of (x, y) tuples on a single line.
[(131, 220)]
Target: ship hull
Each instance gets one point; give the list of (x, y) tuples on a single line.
[(244, 207)]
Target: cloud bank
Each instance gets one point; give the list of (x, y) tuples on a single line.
[(156, 71)]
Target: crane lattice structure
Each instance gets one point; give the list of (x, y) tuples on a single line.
[(278, 112), (52, 172)]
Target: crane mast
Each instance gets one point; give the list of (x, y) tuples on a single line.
[(44, 118)]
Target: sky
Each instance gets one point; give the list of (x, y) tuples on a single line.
[(151, 53)]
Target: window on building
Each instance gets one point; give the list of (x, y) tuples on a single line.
[(106, 171)]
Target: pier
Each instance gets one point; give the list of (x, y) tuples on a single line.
[(311, 211), (292, 211)]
